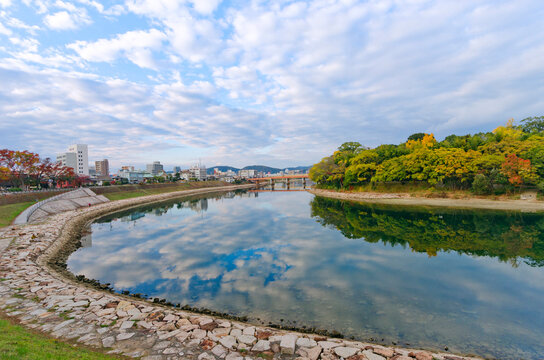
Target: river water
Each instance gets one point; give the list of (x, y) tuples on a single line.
[(469, 280)]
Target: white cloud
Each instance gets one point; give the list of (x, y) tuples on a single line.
[(205, 7), (290, 76), (64, 20), (4, 30), (137, 46)]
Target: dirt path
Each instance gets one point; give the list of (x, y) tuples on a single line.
[(406, 199)]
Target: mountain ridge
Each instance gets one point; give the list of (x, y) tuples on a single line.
[(262, 168)]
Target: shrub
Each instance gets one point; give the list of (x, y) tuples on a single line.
[(482, 185), (540, 186)]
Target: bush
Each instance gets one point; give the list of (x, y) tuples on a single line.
[(482, 185), (14, 189), (540, 186)]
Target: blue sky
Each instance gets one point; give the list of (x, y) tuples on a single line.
[(280, 83)]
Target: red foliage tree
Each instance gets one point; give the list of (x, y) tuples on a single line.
[(22, 167), (516, 169)]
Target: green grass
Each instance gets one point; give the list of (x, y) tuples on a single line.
[(17, 343), (127, 195), (10, 212), (153, 191)]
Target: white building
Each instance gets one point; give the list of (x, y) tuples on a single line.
[(77, 157), (68, 159), (82, 152), (198, 172), (248, 173)]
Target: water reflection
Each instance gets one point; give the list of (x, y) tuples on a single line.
[(511, 237), (264, 255)]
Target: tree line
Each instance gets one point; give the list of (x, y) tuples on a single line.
[(24, 168), (507, 158)]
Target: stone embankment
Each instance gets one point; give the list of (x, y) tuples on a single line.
[(43, 299), (71, 200)]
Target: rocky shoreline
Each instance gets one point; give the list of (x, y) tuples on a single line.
[(407, 200), (46, 298)]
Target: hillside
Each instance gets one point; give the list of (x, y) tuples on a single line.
[(263, 168)]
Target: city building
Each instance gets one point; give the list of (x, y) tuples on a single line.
[(247, 174), (134, 176), (127, 168), (155, 169), (82, 152), (198, 171), (102, 168), (77, 157), (185, 175), (68, 159), (177, 169)]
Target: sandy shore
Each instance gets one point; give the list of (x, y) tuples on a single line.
[(407, 200)]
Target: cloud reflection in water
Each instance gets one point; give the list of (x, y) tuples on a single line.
[(266, 257)]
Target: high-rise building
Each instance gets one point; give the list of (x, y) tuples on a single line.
[(177, 169), (82, 152), (155, 169), (77, 157), (102, 168)]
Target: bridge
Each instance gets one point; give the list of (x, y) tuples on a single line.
[(271, 180)]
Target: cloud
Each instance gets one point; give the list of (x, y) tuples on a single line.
[(205, 7), (136, 45), (64, 20), (292, 77)]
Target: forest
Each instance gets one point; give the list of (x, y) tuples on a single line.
[(504, 160)]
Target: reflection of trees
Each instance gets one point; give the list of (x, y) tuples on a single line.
[(197, 203), (507, 236)]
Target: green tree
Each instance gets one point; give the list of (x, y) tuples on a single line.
[(533, 124)]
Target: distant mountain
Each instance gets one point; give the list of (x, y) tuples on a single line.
[(302, 168), (263, 168)]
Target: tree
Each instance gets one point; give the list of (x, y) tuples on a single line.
[(43, 170), (517, 170), (351, 147), (416, 137), (18, 165), (427, 141), (532, 124), (362, 167), (326, 172)]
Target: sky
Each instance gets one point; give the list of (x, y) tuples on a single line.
[(278, 83)]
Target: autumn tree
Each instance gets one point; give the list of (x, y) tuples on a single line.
[(517, 170)]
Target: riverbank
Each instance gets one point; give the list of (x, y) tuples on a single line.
[(43, 298), (409, 200)]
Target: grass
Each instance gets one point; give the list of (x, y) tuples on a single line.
[(17, 343), (10, 212), (153, 191)]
